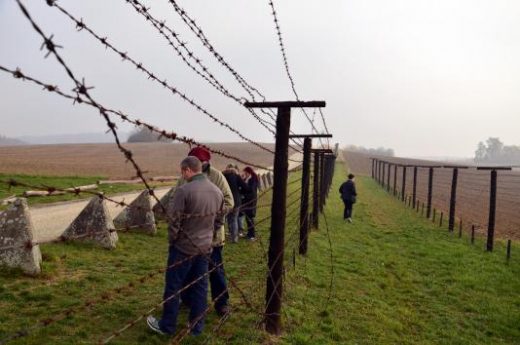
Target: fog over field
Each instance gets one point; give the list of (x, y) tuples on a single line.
[(426, 78)]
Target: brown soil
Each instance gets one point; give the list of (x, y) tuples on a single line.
[(156, 159)]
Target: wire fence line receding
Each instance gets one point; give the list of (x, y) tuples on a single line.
[(81, 94), (466, 197)]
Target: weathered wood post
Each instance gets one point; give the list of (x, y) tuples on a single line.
[(453, 199), (274, 286), (430, 193), (388, 177), (414, 190), (395, 179), (492, 211), (403, 187)]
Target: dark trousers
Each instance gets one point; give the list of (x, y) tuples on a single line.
[(250, 221), (175, 281), (217, 279), (347, 213)]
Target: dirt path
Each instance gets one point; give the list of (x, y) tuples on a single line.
[(51, 220)]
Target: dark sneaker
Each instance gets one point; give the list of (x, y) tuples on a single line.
[(153, 324), (224, 310)]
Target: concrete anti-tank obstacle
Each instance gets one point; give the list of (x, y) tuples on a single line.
[(93, 224), (158, 210), (138, 215), (16, 239)]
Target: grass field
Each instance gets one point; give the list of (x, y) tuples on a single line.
[(61, 182), (398, 279)]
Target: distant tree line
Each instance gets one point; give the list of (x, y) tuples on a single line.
[(380, 151), (493, 151), (6, 141), (144, 135)]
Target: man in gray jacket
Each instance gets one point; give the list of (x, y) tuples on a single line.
[(195, 212)]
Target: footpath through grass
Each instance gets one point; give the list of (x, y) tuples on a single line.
[(398, 279)]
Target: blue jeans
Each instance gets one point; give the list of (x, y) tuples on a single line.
[(176, 280), (232, 221), (217, 281)]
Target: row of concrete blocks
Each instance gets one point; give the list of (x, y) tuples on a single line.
[(18, 248)]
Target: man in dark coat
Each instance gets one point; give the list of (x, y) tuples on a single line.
[(348, 195), (237, 185)]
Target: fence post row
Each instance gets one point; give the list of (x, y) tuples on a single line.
[(305, 187), (274, 286)]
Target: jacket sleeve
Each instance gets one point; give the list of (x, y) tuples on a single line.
[(244, 188), (176, 209), (354, 189), (219, 218), (221, 183)]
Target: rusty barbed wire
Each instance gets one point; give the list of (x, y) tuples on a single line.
[(286, 64), (199, 33), (18, 74), (80, 24), (161, 26), (82, 89), (106, 296), (148, 312), (77, 191)]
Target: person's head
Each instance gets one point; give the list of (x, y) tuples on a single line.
[(231, 167), (351, 177), (202, 154), (190, 166), (250, 173)]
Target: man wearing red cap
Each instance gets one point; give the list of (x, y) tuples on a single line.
[(217, 278)]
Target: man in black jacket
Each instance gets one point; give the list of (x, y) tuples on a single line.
[(348, 195), (238, 187)]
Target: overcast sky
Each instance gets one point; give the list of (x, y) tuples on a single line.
[(427, 78)]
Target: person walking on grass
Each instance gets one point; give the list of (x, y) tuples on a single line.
[(217, 278), (250, 201), (190, 241), (237, 185), (348, 195)]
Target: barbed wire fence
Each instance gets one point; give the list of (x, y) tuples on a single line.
[(81, 95), (476, 200)]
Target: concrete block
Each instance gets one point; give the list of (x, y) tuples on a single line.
[(93, 224), (17, 249), (165, 200), (138, 215)]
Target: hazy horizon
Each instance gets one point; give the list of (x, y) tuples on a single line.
[(427, 79)]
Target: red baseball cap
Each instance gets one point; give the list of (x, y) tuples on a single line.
[(201, 153)]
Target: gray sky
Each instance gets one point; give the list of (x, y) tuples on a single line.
[(427, 78)]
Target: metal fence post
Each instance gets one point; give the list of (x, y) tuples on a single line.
[(304, 205), (453, 199), (430, 193), (316, 191), (403, 187), (492, 211), (414, 190)]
